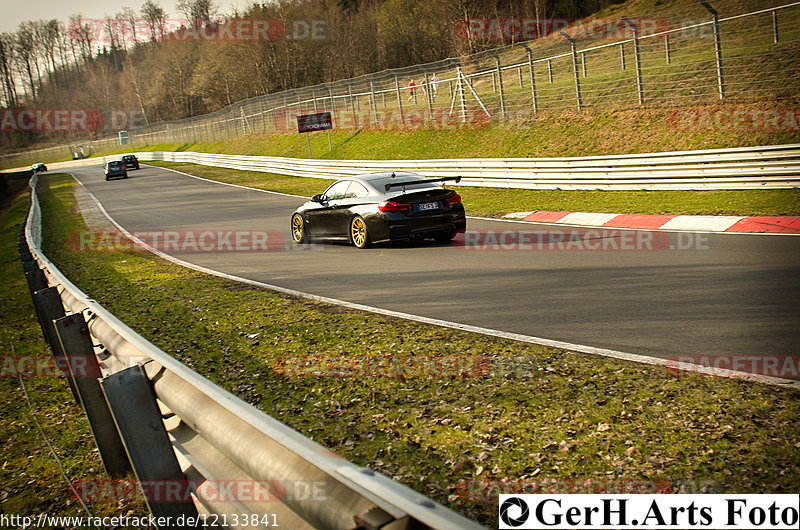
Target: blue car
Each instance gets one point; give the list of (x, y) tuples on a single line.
[(115, 168)]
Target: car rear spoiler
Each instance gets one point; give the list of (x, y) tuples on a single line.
[(426, 181)]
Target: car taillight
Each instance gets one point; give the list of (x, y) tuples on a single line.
[(391, 206), (455, 199)]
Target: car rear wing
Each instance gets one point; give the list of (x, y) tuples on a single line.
[(425, 181)]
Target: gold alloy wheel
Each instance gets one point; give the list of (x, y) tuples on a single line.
[(358, 232), (298, 234)]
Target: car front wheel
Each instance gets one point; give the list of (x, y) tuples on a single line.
[(358, 233), (298, 229)]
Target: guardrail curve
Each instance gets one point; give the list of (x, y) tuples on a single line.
[(764, 167)]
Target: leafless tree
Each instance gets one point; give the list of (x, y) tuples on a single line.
[(7, 69), (156, 19), (25, 54)]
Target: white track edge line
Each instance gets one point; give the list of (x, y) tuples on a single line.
[(603, 352)]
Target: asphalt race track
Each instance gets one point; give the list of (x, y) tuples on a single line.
[(717, 294)]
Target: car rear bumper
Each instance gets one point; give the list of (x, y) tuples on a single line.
[(403, 227)]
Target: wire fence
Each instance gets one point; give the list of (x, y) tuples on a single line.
[(628, 63)]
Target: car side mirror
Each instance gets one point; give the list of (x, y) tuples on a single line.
[(316, 198)]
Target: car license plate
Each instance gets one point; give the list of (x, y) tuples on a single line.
[(425, 206)]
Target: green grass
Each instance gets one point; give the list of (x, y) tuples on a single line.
[(30, 480), (496, 202), (544, 417)]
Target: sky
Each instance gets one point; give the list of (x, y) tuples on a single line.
[(16, 11)]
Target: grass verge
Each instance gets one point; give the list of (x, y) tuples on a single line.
[(496, 202), (550, 419), (30, 480)]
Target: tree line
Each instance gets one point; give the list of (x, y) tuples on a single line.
[(141, 59)]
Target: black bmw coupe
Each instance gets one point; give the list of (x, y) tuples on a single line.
[(381, 207)]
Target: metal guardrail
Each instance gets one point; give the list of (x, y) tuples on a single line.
[(766, 167), (197, 433)]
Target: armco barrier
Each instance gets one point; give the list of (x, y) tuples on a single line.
[(766, 167), (196, 433)]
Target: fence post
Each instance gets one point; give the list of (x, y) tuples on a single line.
[(137, 416), (76, 342), (534, 99), (550, 70), (500, 83), (717, 49), (666, 48), (462, 99), (622, 55), (775, 26), (333, 106), (428, 96), (263, 116), (637, 59), (583, 64), (399, 102), (373, 103), (352, 106), (575, 69)]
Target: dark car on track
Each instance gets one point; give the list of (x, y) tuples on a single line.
[(381, 207), (115, 168), (36, 168), (130, 161)]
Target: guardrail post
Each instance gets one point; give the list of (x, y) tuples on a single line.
[(637, 58), (575, 70), (534, 99), (717, 49), (76, 342), (137, 417), (49, 308)]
